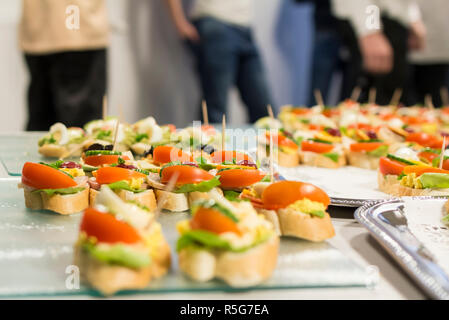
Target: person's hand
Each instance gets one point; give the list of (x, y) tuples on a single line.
[(187, 31), (417, 36), (377, 53)]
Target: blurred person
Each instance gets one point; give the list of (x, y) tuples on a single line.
[(326, 49), (64, 43), (222, 40), (430, 66), (378, 49)]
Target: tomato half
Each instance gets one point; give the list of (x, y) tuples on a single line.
[(300, 111), (388, 166), (425, 139), (428, 156), (171, 127), (419, 170), (166, 154), (99, 160), (228, 156), (214, 221), (317, 147), (283, 193), (366, 146), (106, 228), (40, 176), (239, 178), (107, 175), (281, 140), (186, 175)]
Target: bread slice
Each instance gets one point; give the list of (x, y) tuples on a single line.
[(52, 150), (318, 160), (290, 222), (62, 204), (388, 183), (238, 269), (195, 196), (175, 202), (288, 160), (108, 279), (305, 226), (363, 160), (146, 198)]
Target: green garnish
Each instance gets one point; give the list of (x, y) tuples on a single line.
[(379, 152), (102, 152), (123, 185), (233, 196), (332, 155), (203, 186), (141, 136), (319, 214), (395, 158), (62, 191)]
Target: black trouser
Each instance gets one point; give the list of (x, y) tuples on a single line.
[(428, 79), (65, 87), (385, 84)]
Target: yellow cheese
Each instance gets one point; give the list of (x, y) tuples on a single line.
[(74, 172), (307, 206)]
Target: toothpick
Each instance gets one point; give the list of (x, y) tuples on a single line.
[(318, 97), (396, 97), (271, 157), (223, 134), (372, 96), (428, 101), (115, 134), (444, 96), (105, 107), (443, 148), (271, 114), (356, 93), (168, 188), (205, 115)]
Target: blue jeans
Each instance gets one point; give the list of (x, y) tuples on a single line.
[(227, 56), (326, 61)]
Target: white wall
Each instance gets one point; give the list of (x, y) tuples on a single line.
[(150, 71)]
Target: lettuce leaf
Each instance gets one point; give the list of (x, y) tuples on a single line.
[(123, 185), (62, 191), (233, 196), (202, 238), (331, 155), (118, 254), (434, 180), (203, 186), (319, 214), (379, 152)]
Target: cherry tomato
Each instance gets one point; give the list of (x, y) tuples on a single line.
[(388, 166), (283, 193), (99, 160), (239, 178), (228, 156), (40, 176), (214, 221), (281, 140), (425, 139), (428, 156), (107, 175), (106, 228), (186, 174), (166, 154), (317, 147)]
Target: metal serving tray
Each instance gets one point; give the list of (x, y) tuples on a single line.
[(388, 221)]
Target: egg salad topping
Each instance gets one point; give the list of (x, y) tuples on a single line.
[(411, 181), (74, 172), (308, 206), (136, 184)]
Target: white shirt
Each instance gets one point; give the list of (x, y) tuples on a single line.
[(238, 12), (435, 18)]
